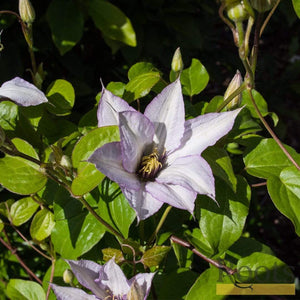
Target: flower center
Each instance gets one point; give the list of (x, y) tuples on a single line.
[(150, 165)]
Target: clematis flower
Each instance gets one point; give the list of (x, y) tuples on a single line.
[(105, 282), (22, 92), (158, 159)]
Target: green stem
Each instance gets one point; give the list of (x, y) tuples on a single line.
[(240, 30), (268, 18), (254, 51), (231, 97), (271, 131), (247, 35), (91, 210), (160, 224)]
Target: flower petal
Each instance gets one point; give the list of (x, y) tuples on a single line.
[(174, 195), (166, 112), (112, 278), (109, 107), (204, 131), (142, 202), (191, 172), (87, 272), (22, 92), (67, 293), (140, 285), (136, 132), (108, 160)]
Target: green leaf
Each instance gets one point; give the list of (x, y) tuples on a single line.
[(141, 85), (114, 208), (267, 159), (8, 115), (259, 100), (18, 289), (194, 79), (66, 24), (263, 268), (53, 128), (1, 225), (76, 231), (174, 285), (206, 285), (296, 4), (42, 224), (140, 68), (109, 253), (61, 97), (88, 177), (22, 210), (19, 175), (92, 141), (154, 256), (220, 164), (222, 225), (6, 205), (112, 22), (285, 193), (117, 88), (86, 180), (197, 239)]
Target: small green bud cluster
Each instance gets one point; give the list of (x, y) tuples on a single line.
[(236, 11)]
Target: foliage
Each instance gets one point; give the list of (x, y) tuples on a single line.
[(57, 206)]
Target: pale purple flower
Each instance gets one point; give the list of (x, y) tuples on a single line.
[(158, 159), (105, 282), (22, 92)]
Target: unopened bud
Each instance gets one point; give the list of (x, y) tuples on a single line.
[(263, 5), (234, 84), (177, 64), (68, 276), (66, 162), (2, 136), (237, 12), (26, 11)]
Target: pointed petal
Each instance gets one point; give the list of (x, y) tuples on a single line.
[(109, 108), (191, 172), (142, 202), (108, 160), (67, 293), (204, 131), (174, 195), (22, 92), (136, 132), (113, 278), (87, 272), (166, 112), (140, 285)]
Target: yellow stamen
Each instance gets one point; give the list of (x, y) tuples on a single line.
[(150, 165)]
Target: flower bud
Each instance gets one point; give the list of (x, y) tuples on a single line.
[(262, 5), (66, 162), (26, 11), (68, 276), (234, 84), (2, 136), (237, 12), (177, 64)]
